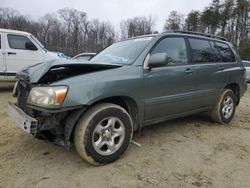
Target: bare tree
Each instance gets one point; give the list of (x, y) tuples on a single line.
[(100, 35), (46, 24), (175, 21), (136, 26)]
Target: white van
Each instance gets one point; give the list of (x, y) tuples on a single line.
[(19, 49)]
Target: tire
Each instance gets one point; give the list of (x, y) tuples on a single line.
[(224, 110), (103, 133)]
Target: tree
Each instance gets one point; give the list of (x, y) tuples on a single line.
[(72, 19), (100, 35), (226, 14), (211, 17), (136, 26), (192, 22), (174, 21), (7, 16), (241, 12), (46, 23), (70, 31)]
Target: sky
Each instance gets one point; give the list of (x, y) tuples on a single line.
[(109, 10)]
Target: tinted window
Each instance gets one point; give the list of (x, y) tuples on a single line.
[(201, 51), (225, 52), (215, 52), (17, 42), (175, 48)]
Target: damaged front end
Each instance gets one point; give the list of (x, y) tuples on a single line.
[(39, 116)]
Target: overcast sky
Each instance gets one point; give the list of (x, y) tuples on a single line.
[(109, 10)]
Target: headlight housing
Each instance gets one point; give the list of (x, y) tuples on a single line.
[(47, 97)]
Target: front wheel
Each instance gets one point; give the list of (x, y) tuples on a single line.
[(103, 133), (224, 110)]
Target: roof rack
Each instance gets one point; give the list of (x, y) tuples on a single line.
[(197, 33)]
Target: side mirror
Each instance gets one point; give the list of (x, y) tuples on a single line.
[(158, 60), (30, 46)]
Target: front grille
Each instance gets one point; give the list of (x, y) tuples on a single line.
[(22, 95)]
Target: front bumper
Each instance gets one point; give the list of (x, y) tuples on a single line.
[(27, 123), (55, 128)]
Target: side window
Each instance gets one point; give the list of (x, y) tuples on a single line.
[(225, 52), (17, 41), (215, 52), (201, 51), (175, 48)]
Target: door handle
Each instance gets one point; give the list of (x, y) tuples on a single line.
[(188, 71), (11, 53)]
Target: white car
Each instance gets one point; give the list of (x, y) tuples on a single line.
[(247, 66), (84, 56), (20, 49)]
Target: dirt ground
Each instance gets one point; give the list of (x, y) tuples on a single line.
[(189, 152)]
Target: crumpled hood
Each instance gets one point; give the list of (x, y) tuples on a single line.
[(64, 68)]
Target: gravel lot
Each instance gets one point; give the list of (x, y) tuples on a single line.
[(189, 152)]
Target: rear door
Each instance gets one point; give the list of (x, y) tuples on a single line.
[(247, 67), (18, 56), (210, 75), (230, 63), (169, 90)]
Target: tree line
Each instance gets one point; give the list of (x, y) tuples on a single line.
[(225, 18), (70, 31)]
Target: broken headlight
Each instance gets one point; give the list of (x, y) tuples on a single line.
[(47, 97)]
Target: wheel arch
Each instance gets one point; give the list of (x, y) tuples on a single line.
[(128, 103), (236, 89)]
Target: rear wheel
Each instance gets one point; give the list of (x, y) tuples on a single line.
[(103, 133), (224, 110)]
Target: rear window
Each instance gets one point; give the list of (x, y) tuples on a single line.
[(225, 51), (201, 51)]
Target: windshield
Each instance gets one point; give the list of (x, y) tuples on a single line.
[(124, 52), (38, 42)]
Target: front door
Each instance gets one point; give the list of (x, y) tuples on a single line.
[(18, 56), (169, 90)]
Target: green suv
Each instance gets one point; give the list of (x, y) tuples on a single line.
[(98, 104)]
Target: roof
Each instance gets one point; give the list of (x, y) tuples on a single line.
[(14, 31), (207, 35), (183, 33)]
